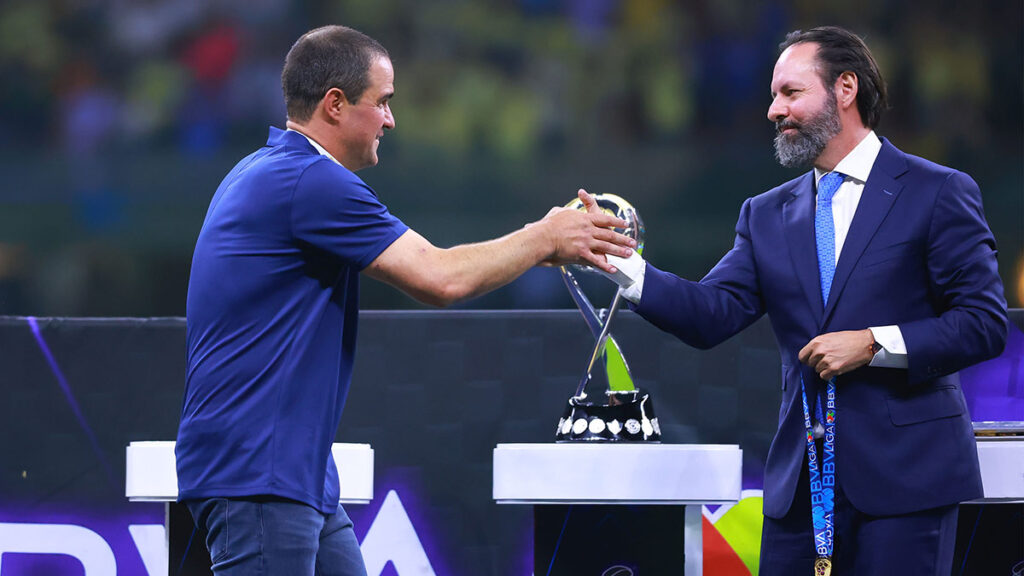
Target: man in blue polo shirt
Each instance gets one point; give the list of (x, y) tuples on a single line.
[(273, 305)]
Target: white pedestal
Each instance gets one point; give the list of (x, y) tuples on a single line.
[(1002, 469), (152, 476), (577, 473), (585, 473)]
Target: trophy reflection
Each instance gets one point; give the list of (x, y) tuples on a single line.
[(625, 413)]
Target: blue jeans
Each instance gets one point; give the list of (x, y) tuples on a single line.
[(269, 536)]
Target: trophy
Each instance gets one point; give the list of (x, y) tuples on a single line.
[(627, 413)]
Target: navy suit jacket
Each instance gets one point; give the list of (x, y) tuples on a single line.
[(919, 255)]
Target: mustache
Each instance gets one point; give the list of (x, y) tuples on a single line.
[(785, 125)]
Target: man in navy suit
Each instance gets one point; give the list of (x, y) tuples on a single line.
[(887, 292)]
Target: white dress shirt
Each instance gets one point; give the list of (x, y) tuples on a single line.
[(856, 167)]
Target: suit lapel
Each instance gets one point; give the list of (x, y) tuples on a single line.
[(879, 195), (798, 223)]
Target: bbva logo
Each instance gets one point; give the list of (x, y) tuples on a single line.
[(391, 538)]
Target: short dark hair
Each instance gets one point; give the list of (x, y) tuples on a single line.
[(325, 58), (840, 50)]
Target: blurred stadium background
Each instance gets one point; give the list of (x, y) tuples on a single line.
[(118, 118)]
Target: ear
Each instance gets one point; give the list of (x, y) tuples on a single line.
[(846, 90), (333, 103)]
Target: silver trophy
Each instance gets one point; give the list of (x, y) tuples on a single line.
[(626, 413)]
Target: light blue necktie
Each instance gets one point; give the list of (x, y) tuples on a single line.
[(825, 236), (825, 231)]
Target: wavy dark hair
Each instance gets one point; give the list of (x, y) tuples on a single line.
[(840, 50), (325, 58)]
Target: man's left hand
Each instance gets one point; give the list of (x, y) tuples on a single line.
[(837, 353)]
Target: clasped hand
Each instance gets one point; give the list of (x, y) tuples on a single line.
[(585, 237), (837, 353)]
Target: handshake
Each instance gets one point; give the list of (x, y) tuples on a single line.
[(624, 267)]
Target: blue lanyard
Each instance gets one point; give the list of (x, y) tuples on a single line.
[(823, 482)]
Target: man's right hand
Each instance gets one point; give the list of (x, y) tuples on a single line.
[(578, 237)]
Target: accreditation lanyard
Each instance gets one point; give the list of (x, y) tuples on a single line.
[(822, 482)]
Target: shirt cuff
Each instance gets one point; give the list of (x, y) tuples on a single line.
[(630, 276), (893, 351)]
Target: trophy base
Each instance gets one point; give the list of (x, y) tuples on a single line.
[(628, 417)]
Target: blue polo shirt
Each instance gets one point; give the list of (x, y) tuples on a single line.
[(273, 302)]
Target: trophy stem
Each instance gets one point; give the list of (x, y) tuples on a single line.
[(584, 305), (599, 347)]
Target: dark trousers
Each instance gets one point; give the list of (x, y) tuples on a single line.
[(915, 544), (270, 537)]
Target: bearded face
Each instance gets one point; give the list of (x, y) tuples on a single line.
[(799, 147)]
